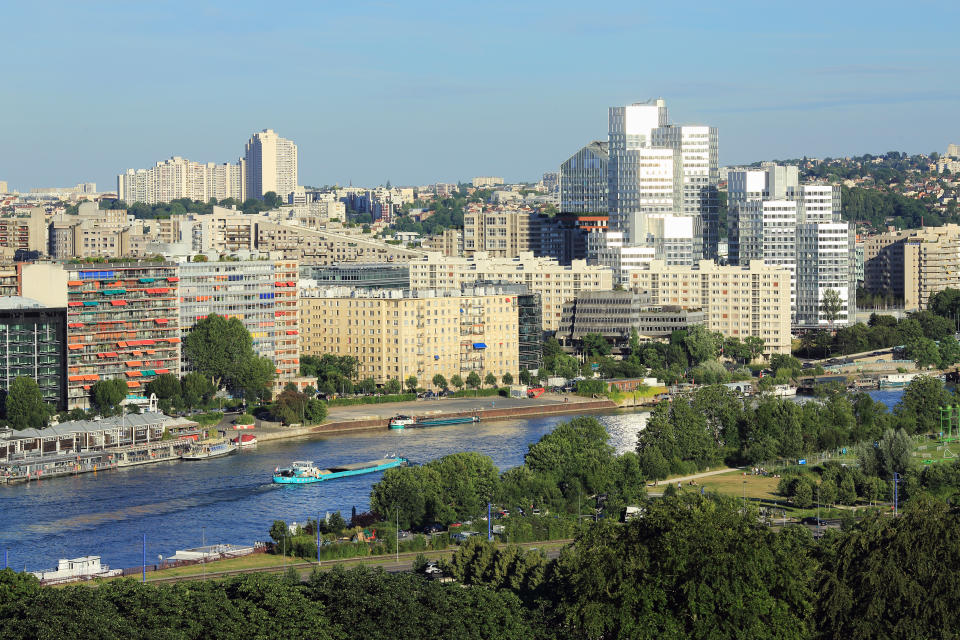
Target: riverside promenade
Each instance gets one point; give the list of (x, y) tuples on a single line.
[(371, 417)]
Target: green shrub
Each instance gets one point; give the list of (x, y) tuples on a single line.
[(347, 402), (481, 393)]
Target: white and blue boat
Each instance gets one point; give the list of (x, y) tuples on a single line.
[(305, 472), (402, 422)]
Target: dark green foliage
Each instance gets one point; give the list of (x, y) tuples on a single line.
[(294, 407), (25, 408), (892, 577), (691, 567), (107, 395), (222, 350)]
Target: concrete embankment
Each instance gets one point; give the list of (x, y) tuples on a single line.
[(373, 423)]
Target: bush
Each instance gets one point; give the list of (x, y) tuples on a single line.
[(245, 418), (480, 393), (347, 402), (590, 388)]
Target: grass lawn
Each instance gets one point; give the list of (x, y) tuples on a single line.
[(734, 484)]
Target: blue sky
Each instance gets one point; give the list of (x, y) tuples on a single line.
[(417, 92)]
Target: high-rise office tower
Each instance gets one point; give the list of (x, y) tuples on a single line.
[(269, 164), (657, 168), (583, 180)]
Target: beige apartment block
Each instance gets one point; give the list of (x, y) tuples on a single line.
[(555, 283), (501, 234), (28, 232), (913, 264), (738, 301), (398, 334), (315, 246)]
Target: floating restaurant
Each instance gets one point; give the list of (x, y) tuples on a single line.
[(80, 446)]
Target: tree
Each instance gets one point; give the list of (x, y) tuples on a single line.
[(166, 386), (803, 495), (196, 389), (254, 378), (490, 380), (924, 352), (848, 490), (949, 350), (831, 304), (473, 380), (701, 344), (107, 395), (524, 376), (220, 349), (507, 378), (392, 387), (595, 345), (439, 381), (457, 381), (411, 383), (754, 346), (25, 406)]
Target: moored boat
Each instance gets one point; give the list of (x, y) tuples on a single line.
[(305, 472), (401, 421), (205, 451), (245, 440)]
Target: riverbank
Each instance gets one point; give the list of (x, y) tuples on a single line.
[(354, 419)]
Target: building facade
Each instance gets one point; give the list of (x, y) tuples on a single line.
[(616, 314), (913, 264), (826, 254), (123, 322), (33, 344), (269, 164), (397, 334), (752, 300), (180, 178), (262, 294), (362, 275), (583, 180), (555, 283)]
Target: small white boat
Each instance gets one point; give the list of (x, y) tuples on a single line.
[(784, 391), (205, 451)]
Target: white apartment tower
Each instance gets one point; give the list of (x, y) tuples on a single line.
[(773, 218), (269, 164)]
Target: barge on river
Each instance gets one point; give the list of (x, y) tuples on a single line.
[(402, 422), (302, 472)]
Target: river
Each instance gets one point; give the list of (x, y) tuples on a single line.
[(233, 498)]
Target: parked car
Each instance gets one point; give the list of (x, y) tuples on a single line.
[(432, 568)]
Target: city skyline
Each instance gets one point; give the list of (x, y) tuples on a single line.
[(421, 95)]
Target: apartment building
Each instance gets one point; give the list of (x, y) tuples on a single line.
[(913, 264), (33, 344), (501, 234), (752, 300), (826, 253), (181, 178), (555, 283), (262, 294), (315, 246), (269, 164), (23, 232), (449, 242), (482, 182), (123, 321), (398, 334)]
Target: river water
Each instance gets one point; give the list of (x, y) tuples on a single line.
[(232, 499)]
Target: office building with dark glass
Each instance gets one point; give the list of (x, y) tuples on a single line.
[(374, 275)]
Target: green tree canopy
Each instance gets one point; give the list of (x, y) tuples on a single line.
[(107, 395), (25, 406)]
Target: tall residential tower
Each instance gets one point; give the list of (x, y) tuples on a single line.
[(270, 164)]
